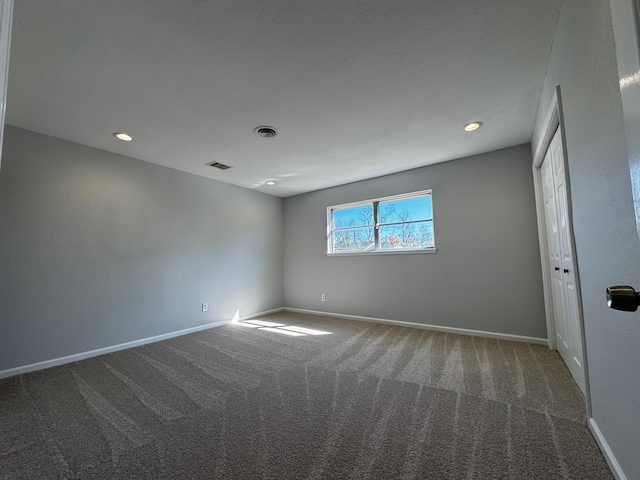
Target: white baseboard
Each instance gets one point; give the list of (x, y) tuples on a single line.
[(261, 314), (606, 450), (437, 328), (101, 351)]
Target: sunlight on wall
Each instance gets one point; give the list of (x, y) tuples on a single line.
[(630, 80)]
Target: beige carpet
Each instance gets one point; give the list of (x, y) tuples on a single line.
[(361, 401)]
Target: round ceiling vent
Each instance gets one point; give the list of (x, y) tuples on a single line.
[(266, 132)]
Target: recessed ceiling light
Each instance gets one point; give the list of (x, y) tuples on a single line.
[(125, 137), (271, 183), (265, 132), (470, 127)]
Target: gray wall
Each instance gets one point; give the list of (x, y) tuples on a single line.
[(583, 63), (485, 275), (98, 249)]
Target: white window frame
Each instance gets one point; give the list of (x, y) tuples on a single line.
[(377, 250)]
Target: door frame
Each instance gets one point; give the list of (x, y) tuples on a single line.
[(625, 17), (6, 18), (553, 120)]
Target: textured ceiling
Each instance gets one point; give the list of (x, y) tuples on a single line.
[(356, 89)]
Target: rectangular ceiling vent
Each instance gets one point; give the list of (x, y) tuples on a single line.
[(219, 165)]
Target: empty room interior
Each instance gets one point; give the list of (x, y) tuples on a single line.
[(364, 239)]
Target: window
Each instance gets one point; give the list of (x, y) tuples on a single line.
[(402, 223)]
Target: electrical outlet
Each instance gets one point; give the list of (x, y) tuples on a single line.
[(323, 297), (205, 307)]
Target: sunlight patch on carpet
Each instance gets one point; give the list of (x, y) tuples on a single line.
[(291, 330)]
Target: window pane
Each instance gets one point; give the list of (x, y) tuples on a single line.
[(400, 222), (355, 239), (411, 209), (353, 217), (410, 235)]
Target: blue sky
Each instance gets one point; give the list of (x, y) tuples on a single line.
[(402, 210)]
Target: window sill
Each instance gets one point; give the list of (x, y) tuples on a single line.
[(382, 252)]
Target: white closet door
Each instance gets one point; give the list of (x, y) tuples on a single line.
[(561, 261)]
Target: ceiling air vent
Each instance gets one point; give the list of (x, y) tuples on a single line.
[(266, 132), (219, 165)]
